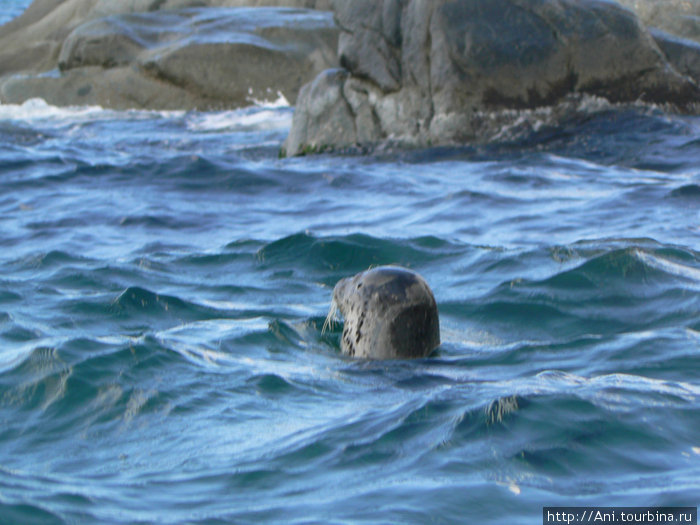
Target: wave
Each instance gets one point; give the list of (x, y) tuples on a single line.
[(582, 127), (352, 253), (267, 414), (38, 110), (687, 191), (530, 433), (137, 302), (263, 116), (630, 267), (48, 260), (9, 296), (28, 513), (620, 289), (163, 296), (599, 286)]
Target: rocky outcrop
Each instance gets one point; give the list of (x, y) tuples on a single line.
[(164, 54), (680, 18), (682, 53), (414, 71), (431, 72), (675, 26)]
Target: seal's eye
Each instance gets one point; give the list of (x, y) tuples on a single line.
[(359, 285)]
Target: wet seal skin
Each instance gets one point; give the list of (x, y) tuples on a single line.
[(390, 313)]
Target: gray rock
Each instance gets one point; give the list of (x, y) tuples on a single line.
[(114, 40), (171, 54), (683, 54), (326, 115), (369, 45), (117, 88), (425, 72), (237, 54), (675, 26), (680, 18)]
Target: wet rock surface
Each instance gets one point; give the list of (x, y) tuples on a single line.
[(427, 72), (164, 55)]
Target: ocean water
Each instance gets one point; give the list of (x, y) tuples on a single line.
[(164, 279)]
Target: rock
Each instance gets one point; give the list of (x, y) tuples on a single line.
[(41, 29), (683, 54), (236, 54), (680, 18), (425, 72), (117, 88), (171, 54), (326, 114), (675, 26)]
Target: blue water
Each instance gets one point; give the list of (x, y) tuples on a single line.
[(164, 278)]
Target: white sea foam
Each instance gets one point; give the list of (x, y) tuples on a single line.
[(11, 357), (510, 124), (36, 109), (279, 102), (247, 119), (263, 116)]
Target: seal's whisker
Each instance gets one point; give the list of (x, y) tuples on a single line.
[(331, 318)]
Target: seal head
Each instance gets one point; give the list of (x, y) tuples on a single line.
[(390, 313)]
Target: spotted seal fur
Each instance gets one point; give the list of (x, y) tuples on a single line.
[(389, 312)]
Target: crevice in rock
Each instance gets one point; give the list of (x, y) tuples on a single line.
[(152, 71), (378, 123), (369, 29), (389, 56), (429, 48), (350, 111), (156, 5), (556, 34)]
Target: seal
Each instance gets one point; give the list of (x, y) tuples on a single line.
[(390, 313)]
